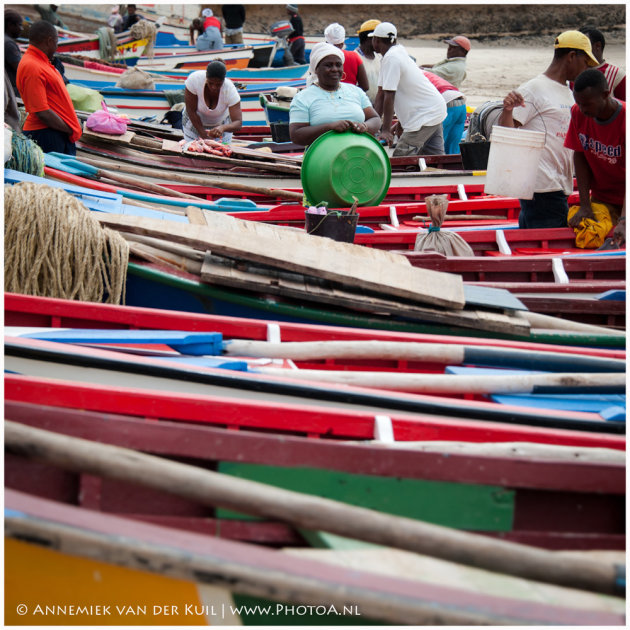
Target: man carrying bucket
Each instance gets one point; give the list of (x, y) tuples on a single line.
[(544, 104)]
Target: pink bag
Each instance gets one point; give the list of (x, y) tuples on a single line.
[(104, 122)]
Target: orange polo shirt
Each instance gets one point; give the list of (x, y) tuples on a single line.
[(42, 88)]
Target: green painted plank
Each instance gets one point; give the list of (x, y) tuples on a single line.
[(340, 318), (458, 505)]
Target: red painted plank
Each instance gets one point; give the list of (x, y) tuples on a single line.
[(24, 310), (213, 444)]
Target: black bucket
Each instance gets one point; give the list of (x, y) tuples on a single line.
[(336, 225), (280, 132), (475, 155)]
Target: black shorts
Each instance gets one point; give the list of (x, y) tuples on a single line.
[(52, 140)]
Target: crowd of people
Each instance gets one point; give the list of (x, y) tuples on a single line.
[(422, 111), (578, 102)]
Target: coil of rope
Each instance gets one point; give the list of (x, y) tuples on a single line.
[(54, 247)]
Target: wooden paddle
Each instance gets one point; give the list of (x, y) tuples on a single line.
[(199, 181), (310, 512)]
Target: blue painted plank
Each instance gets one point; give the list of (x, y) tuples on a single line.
[(195, 343), (614, 295), (213, 362), (593, 403)]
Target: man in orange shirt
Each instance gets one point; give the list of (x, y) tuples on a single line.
[(51, 122)]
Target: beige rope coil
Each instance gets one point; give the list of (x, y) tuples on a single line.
[(144, 29), (54, 247)]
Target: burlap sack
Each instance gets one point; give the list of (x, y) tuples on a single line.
[(136, 79), (438, 240)]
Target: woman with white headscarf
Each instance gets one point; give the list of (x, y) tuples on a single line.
[(328, 104)]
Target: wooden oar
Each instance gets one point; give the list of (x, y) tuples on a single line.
[(563, 382), (199, 181), (310, 512), (442, 354)]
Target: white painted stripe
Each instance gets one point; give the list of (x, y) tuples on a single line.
[(422, 164), (559, 274), (383, 429), (504, 248), (461, 191), (393, 216), (273, 336), (217, 605)]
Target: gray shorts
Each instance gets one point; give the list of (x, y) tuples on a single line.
[(427, 140)]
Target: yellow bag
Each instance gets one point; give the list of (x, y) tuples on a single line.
[(591, 233)]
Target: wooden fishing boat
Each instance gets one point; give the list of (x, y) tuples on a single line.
[(42, 535), (502, 490), (198, 60), (182, 374), (30, 311)]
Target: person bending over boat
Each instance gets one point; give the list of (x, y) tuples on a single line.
[(597, 136), (211, 29), (213, 104), (405, 91), (328, 104)]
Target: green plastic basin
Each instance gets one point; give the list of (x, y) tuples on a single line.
[(340, 166)]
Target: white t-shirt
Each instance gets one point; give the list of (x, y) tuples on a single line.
[(228, 96), (417, 102), (548, 109)]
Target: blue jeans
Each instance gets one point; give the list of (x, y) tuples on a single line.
[(453, 127), (52, 140), (545, 210)]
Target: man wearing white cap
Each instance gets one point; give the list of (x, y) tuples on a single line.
[(453, 68), (403, 89), (353, 70)]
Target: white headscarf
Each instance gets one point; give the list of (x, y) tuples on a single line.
[(335, 34), (318, 52), (207, 13), (321, 50)]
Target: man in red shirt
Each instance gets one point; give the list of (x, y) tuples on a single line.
[(51, 122), (353, 70), (615, 76), (597, 135)]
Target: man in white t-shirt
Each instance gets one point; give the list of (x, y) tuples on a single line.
[(544, 104), (403, 89)]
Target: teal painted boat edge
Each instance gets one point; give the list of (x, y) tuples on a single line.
[(311, 315)]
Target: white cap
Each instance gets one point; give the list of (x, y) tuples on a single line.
[(384, 30), (335, 34), (207, 13)]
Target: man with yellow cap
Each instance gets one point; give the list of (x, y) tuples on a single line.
[(544, 104), (371, 61)]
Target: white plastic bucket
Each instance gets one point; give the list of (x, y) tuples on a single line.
[(513, 161)]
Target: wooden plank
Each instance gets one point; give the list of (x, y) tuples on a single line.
[(224, 272), (125, 138), (196, 216), (366, 268)]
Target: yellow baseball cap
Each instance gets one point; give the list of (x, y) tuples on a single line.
[(370, 25), (579, 41)]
